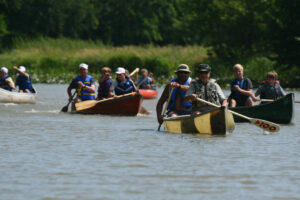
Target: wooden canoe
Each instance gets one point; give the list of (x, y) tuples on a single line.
[(279, 111), (128, 104), (216, 122), (148, 94), (16, 97)]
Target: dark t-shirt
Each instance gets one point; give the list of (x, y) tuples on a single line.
[(244, 84)]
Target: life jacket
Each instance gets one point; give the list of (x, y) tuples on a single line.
[(103, 89), (242, 84), (270, 92), (24, 83), (142, 83), (207, 92), (124, 87), (4, 84), (182, 94), (82, 93)]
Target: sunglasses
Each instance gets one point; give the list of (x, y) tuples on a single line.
[(204, 72), (182, 72)]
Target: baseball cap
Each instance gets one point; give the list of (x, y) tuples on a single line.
[(84, 66), (22, 68), (120, 70), (203, 68), (4, 69)]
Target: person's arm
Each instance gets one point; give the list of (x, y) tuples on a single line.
[(91, 88), (190, 94), (11, 83), (159, 106), (248, 91), (221, 95), (179, 86), (20, 72), (281, 92)]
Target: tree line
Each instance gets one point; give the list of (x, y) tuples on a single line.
[(244, 31)]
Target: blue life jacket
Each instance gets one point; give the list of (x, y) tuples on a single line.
[(124, 87), (182, 94), (4, 84), (143, 83), (84, 94), (24, 83), (103, 89), (241, 84)]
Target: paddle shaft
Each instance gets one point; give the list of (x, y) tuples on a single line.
[(165, 109), (65, 108), (264, 124), (134, 71)]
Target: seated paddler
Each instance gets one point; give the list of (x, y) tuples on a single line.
[(145, 82), (105, 83), (6, 81), (122, 84), (84, 85), (206, 89), (23, 80), (174, 93), (270, 89), (241, 89)]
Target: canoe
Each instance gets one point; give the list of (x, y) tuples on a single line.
[(128, 104), (216, 122), (279, 111), (16, 97), (148, 94)]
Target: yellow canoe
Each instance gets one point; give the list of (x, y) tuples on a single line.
[(216, 122)]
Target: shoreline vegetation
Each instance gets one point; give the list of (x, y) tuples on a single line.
[(56, 60)]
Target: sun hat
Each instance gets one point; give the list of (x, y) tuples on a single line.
[(120, 70), (183, 68), (4, 69), (22, 68), (84, 66), (203, 68)]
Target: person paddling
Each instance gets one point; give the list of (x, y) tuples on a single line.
[(270, 88), (6, 81), (105, 83), (241, 89), (123, 84), (206, 89), (84, 85), (145, 82), (23, 80), (176, 106)]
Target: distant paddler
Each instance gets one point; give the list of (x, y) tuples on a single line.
[(145, 82), (24, 80), (84, 85), (6, 81), (105, 83), (123, 84), (176, 105), (204, 88)]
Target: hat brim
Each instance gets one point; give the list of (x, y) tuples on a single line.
[(182, 71)]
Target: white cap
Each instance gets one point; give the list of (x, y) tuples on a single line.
[(120, 70), (84, 66), (4, 69), (22, 68)]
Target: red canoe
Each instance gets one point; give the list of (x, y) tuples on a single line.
[(128, 104), (148, 94)]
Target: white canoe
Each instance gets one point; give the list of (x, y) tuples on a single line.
[(16, 97)]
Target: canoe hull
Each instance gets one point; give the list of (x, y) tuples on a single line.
[(15, 97), (216, 122), (279, 111), (126, 105), (148, 94)]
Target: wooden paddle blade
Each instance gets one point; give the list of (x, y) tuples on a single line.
[(85, 105), (266, 125)]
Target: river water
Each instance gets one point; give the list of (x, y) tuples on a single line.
[(49, 155)]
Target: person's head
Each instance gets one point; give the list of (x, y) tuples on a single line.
[(183, 72), (83, 70), (144, 73), (272, 77), (105, 71), (238, 71), (127, 72), (121, 74), (203, 71), (3, 71)]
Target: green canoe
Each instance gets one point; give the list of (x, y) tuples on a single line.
[(279, 111)]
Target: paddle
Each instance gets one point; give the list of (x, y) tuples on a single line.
[(263, 124), (65, 108), (166, 106), (134, 71)]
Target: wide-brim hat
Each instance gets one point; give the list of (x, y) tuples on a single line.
[(183, 68), (203, 68)]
